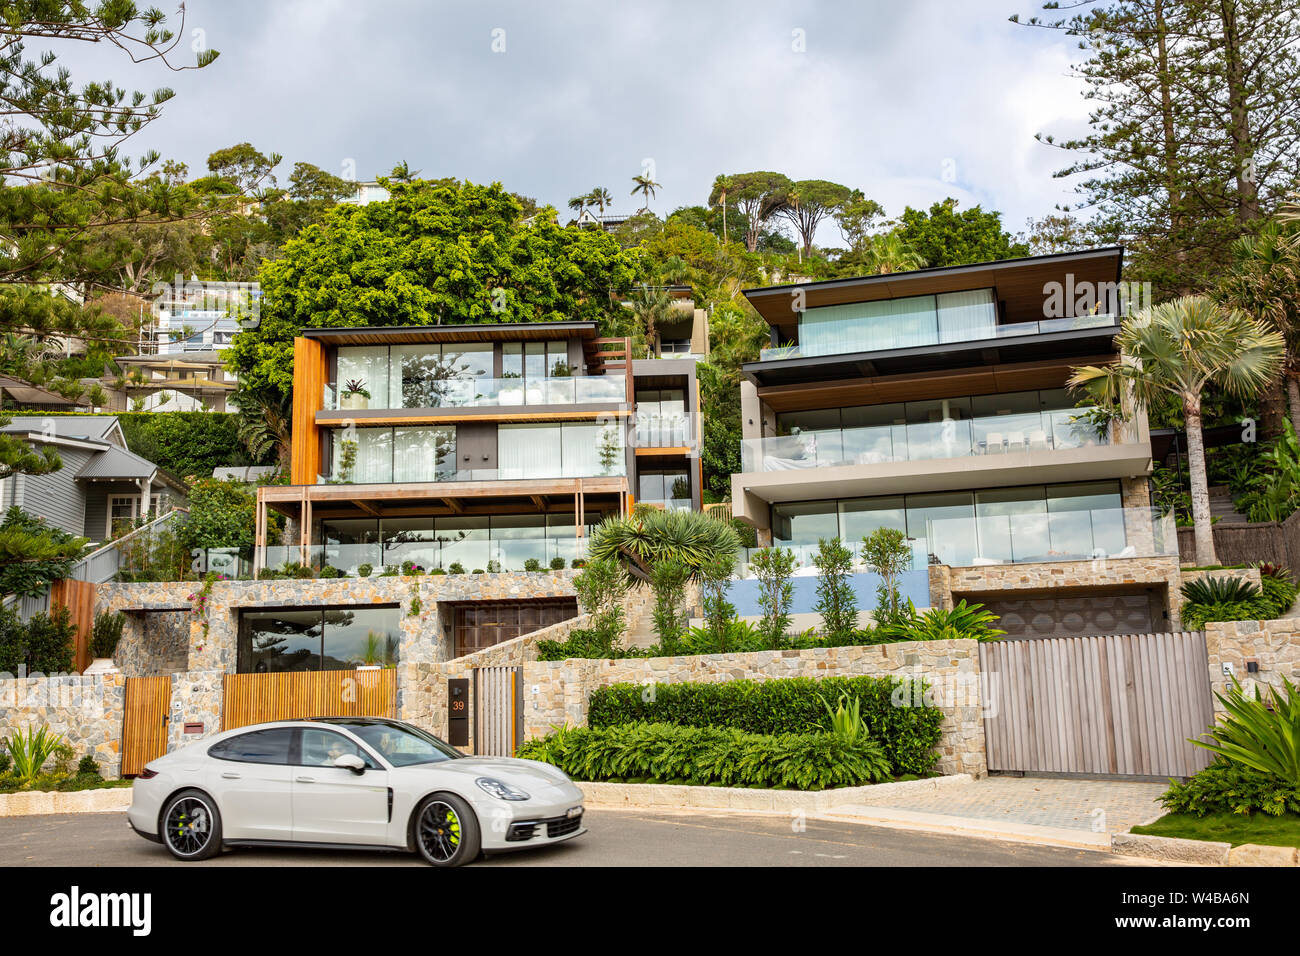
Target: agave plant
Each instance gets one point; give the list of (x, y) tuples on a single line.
[(1258, 732), (1219, 590), (647, 537), (30, 749)]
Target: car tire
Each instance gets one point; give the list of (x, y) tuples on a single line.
[(190, 826), (446, 831)]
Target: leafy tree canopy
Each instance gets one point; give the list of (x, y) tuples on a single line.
[(437, 252), (945, 237)]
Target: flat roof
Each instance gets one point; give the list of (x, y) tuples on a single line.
[(1019, 282), (463, 332)]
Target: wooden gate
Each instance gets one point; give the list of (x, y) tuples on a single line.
[(498, 710), (294, 695), (1121, 704), (144, 723)]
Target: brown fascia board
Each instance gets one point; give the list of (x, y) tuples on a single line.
[(772, 302), (467, 331)]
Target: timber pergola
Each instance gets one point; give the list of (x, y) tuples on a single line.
[(309, 503)]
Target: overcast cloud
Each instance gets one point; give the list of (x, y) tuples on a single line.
[(909, 101)]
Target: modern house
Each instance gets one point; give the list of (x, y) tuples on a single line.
[(103, 487), (476, 447), (934, 402), (174, 382)]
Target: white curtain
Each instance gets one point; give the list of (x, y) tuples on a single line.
[(967, 316), (529, 451)]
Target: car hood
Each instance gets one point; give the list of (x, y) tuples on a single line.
[(530, 775)]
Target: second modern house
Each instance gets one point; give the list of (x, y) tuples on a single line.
[(935, 402), (476, 447)]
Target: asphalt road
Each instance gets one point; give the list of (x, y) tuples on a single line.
[(616, 838)]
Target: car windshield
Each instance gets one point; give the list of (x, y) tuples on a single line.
[(399, 744)]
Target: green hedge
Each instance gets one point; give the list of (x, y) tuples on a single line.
[(907, 735), (187, 443), (711, 756), (1228, 787)]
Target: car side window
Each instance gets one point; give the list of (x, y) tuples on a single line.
[(321, 747), (258, 746)]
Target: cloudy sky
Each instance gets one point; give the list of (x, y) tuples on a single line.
[(910, 101)]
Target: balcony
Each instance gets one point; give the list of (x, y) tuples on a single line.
[(451, 556), (992, 435), (882, 337), (482, 393), (1030, 537)]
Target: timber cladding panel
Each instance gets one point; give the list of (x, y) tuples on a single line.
[(296, 695), (1120, 704), (310, 374), (144, 726)]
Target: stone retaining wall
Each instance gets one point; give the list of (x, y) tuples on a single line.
[(1274, 644), (556, 692), (85, 711)]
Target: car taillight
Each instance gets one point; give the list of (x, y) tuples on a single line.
[(147, 774)]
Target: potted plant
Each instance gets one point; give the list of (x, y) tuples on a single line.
[(355, 394), (375, 654), (104, 637)]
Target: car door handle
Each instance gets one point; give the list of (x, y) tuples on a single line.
[(305, 779), (229, 776)]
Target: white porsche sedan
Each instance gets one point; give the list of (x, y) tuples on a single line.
[(349, 782)]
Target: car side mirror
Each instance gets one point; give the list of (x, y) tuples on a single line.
[(350, 762)]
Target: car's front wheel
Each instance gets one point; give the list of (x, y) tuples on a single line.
[(191, 826), (446, 831)]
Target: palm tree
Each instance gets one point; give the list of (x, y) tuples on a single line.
[(720, 185), (403, 173), (601, 198), (265, 424), (646, 186), (1180, 348), (650, 536), (887, 252), (652, 307), (1265, 283), (579, 204)]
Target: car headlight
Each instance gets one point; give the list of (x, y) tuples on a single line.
[(502, 791)]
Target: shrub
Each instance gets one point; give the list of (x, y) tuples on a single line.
[(106, 633), (1228, 787), (49, 641), (773, 567), (578, 563), (639, 541), (716, 756), (29, 749), (455, 568), (1196, 616), (87, 767), (789, 705), (587, 643), (887, 553), (365, 569), (668, 579), (557, 564), (532, 564), (329, 571), (961, 622), (1217, 590), (836, 602), (1258, 732)]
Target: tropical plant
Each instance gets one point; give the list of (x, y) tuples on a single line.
[(646, 186), (846, 717), (960, 622), (1219, 590), (638, 541), (1226, 786), (29, 749), (887, 252), (601, 198), (1181, 348), (1273, 481), (1260, 733), (837, 603), (774, 567)]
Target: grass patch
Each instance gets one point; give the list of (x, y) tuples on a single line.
[(1234, 828)]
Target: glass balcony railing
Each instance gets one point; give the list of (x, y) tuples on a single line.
[(462, 556), (937, 336), (371, 475), (482, 393), (662, 431), (1054, 429), (979, 540)]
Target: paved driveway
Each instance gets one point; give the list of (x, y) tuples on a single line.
[(1042, 801)]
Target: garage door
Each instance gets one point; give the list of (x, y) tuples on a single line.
[(1132, 611)]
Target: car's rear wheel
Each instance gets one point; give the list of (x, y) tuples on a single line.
[(446, 831), (191, 826)]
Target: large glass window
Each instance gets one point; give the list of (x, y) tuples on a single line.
[(804, 522), (424, 454), (298, 639), (371, 451), (897, 323), (569, 450), (409, 539), (365, 367)]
